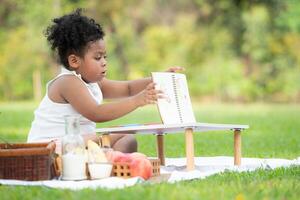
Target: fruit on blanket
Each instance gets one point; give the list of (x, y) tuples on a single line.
[(123, 158), (138, 163), (115, 155), (108, 153), (137, 155), (95, 154), (92, 145), (141, 167)]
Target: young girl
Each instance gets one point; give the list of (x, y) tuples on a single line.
[(82, 84)]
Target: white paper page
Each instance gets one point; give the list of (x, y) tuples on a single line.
[(176, 107), (184, 100), (166, 106)]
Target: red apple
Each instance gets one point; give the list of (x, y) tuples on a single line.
[(122, 158), (141, 167), (137, 155), (115, 155)]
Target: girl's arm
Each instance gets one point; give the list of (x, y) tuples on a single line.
[(118, 89), (75, 92)]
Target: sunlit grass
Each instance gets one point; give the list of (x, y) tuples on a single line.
[(274, 132)]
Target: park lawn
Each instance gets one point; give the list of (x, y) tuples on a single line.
[(274, 133)]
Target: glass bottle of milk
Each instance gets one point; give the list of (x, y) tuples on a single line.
[(73, 151)]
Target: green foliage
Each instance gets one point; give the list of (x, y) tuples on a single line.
[(232, 50)]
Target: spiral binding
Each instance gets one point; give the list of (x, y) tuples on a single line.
[(175, 88)]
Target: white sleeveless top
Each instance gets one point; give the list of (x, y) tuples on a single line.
[(49, 121)]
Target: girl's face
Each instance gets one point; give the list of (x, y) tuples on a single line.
[(93, 65)]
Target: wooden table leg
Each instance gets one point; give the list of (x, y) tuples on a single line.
[(189, 147), (105, 140), (237, 147), (160, 148)]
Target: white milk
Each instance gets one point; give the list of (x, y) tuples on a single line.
[(74, 167)]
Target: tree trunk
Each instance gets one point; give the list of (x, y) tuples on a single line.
[(120, 51)]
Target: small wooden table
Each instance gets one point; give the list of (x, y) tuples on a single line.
[(188, 129)]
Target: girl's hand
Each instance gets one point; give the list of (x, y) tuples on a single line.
[(175, 69), (148, 96)]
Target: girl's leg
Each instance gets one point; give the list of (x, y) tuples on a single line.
[(125, 143), (93, 137)]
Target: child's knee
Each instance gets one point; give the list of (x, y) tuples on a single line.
[(126, 144), (131, 143)]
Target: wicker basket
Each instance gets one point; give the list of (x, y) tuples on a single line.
[(28, 161), (123, 169)]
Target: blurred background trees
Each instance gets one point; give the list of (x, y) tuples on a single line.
[(233, 50)]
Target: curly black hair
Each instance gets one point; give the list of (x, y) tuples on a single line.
[(71, 33)]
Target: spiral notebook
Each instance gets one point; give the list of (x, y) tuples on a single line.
[(176, 106), (175, 110)]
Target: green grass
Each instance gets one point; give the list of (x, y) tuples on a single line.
[(274, 132)]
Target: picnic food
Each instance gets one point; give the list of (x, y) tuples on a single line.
[(137, 155), (95, 153), (74, 167), (73, 148), (122, 157), (101, 161), (99, 170), (114, 155), (108, 153), (138, 163), (98, 164), (141, 167)]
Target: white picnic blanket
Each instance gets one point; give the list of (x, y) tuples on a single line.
[(205, 166)]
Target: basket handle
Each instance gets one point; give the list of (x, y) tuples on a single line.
[(57, 164), (51, 146)]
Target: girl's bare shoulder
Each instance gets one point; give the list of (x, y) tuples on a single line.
[(64, 84)]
